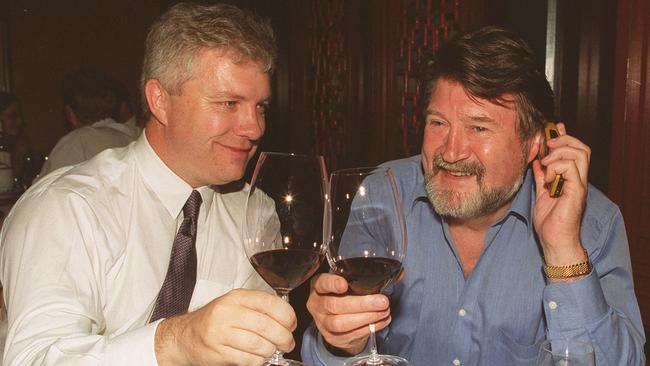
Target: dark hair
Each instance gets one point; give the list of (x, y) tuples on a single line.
[(489, 63), (180, 34), (121, 93), (90, 95), (7, 99)]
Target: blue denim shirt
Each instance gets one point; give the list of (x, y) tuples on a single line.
[(501, 313)]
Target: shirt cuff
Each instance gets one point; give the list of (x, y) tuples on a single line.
[(134, 348), (572, 305)]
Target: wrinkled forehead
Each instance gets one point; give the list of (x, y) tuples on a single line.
[(446, 88)]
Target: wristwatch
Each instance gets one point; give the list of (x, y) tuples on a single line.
[(570, 271)]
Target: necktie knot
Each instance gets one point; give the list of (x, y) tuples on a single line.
[(192, 206)]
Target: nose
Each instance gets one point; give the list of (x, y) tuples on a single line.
[(251, 123), (456, 145)]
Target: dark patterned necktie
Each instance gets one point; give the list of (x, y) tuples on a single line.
[(176, 292)]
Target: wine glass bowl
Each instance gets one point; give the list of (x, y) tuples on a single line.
[(283, 222), (565, 352), (366, 240)]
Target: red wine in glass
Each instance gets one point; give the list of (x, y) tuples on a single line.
[(285, 269), (283, 223), (368, 275), (366, 238)]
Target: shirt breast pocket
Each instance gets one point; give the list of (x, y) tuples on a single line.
[(504, 350)]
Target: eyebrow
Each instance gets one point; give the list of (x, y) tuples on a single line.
[(474, 119), (235, 96), (227, 95), (480, 119), (433, 112)]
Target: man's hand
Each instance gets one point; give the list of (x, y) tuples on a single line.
[(241, 327), (343, 319), (557, 220)]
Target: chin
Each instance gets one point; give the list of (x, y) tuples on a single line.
[(228, 177)]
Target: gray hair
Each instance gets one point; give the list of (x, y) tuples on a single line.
[(179, 35)]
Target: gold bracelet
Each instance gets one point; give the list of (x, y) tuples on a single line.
[(570, 271)]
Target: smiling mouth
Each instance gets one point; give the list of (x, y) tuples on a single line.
[(242, 150), (458, 169), (458, 174)]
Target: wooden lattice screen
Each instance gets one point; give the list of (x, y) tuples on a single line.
[(330, 63), (343, 51), (424, 24)]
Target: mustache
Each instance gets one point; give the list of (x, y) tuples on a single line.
[(464, 167)]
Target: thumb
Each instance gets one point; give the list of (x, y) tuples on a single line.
[(329, 283)]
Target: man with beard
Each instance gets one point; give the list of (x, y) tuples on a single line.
[(495, 265)]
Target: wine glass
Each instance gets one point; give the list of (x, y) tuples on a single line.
[(565, 352), (283, 222), (366, 238)]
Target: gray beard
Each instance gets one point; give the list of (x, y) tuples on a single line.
[(452, 204)]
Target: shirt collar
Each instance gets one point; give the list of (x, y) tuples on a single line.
[(420, 194), (521, 206), (103, 122), (111, 123), (171, 189)]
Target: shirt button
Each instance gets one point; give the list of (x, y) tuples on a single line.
[(462, 312), (552, 305), (456, 362)]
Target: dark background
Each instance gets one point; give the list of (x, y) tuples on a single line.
[(346, 86)]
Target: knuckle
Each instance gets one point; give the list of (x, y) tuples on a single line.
[(254, 343), (312, 304), (263, 327), (287, 344), (328, 325), (333, 304), (337, 324)]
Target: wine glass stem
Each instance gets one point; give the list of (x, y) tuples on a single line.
[(373, 358), (277, 358)]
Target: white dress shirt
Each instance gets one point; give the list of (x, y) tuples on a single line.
[(86, 249), (83, 143)]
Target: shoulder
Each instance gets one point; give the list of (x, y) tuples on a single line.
[(408, 175), (407, 167), (72, 138), (106, 172)]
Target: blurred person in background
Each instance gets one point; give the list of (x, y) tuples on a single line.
[(90, 104), (125, 112), (15, 138)]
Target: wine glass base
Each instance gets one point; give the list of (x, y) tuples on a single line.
[(283, 362), (384, 360)]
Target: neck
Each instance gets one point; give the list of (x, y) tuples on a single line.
[(156, 136)]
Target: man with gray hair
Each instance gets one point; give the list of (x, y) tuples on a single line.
[(110, 263)]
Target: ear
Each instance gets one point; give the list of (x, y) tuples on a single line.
[(534, 146), (72, 118), (157, 99)]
